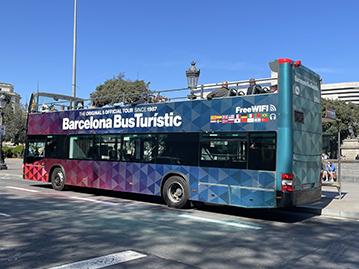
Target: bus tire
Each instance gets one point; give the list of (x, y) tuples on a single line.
[(175, 192), (58, 179)]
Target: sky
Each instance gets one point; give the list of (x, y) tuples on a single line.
[(156, 40)]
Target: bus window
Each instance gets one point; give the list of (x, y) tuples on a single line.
[(262, 151), (178, 148), (109, 146), (82, 147), (56, 147), (224, 150), (138, 148), (36, 149)]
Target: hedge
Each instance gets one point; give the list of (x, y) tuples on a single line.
[(12, 152)]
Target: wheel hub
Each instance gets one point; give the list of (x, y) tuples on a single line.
[(176, 193), (58, 179)]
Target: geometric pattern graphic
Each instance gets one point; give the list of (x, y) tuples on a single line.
[(307, 135), (246, 188), (254, 113), (35, 171), (299, 130), (253, 198)]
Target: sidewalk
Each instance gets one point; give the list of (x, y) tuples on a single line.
[(331, 205), (14, 168), (328, 205)]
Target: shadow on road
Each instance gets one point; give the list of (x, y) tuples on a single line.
[(279, 215)]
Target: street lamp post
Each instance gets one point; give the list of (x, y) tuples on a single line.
[(2, 106), (192, 75), (74, 53)]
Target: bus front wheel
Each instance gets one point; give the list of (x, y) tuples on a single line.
[(175, 192), (58, 179)]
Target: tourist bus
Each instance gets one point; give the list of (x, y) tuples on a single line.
[(252, 151)]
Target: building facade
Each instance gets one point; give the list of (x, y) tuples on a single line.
[(9, 89), (347, 91)]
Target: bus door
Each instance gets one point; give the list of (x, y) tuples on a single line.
[(82, 154), (34, 168)]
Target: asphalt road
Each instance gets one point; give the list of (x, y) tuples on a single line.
[(43, 228)]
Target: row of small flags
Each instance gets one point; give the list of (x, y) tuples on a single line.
[(238, 118)]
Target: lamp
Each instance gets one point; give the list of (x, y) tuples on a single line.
[(192, 75), (2, 106)]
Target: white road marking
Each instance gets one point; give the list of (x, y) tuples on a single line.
[(238, 225), (5, 215), (20, 189), (103, 261), (93, 200)]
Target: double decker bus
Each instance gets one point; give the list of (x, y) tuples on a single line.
[(252, 151)]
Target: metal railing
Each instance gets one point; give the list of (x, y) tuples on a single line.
[(47, 102)]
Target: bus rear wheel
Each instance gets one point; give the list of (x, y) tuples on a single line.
[(58, 179), (175, 192)]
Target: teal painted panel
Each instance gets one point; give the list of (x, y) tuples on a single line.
[(253, 198)]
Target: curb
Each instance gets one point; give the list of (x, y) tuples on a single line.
[(328, 212)]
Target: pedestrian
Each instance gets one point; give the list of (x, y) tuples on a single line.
[(330, 171)]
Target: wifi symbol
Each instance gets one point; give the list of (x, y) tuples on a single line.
[(273, 108)]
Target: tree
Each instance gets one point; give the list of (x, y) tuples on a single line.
[(344, 111), (14, 121), (112, 90)]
